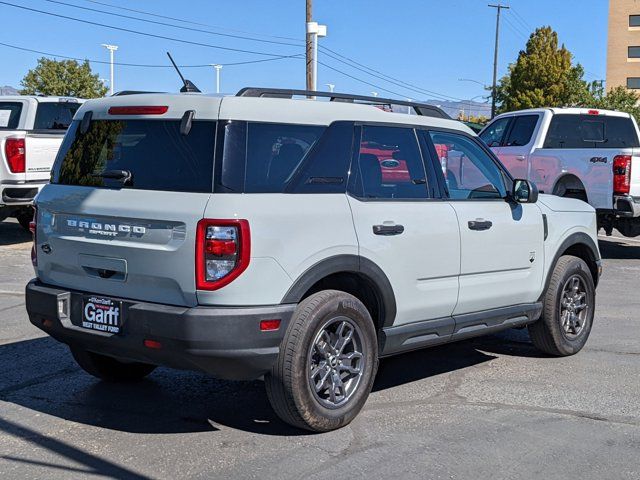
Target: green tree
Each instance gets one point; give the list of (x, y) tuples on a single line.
[(66, 78), (542, 76), (618, 98)]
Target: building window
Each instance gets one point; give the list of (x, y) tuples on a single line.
[(634, 20), (634, 52), (633, 83)]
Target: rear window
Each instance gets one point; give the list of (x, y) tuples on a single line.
[(263, 157), (158, 156), (10, 114), (55, 115), (591, 131)]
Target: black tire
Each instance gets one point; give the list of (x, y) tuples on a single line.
[(110, 369), (24, 217), (288, 385), (548, 333)]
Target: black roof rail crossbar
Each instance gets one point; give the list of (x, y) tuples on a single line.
[(423, 109)]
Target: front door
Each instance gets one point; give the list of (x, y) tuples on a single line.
[(517, 146), (411, 236), (501, 241)]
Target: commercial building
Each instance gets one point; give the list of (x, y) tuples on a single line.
[(623, 52)]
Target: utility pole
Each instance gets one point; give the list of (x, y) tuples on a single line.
[(498, 8), (111, 48), (309, 75)]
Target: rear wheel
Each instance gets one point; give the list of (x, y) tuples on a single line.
[(577, 194), (327, 363), (110, 369), (568, 308)]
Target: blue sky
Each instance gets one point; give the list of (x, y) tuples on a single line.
[(427, 43)]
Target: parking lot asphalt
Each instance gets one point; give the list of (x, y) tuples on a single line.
[(483, 409)]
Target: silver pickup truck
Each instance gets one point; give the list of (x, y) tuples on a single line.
[(31, 131), (589, 154)]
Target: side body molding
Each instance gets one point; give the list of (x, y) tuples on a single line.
[(363, 267)]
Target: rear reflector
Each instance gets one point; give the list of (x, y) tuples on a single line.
[(139, 110), (622, 174), (152, 344), (15, 153), (269, 325)]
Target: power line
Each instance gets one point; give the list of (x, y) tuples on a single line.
[(522, 20), (360, 80), (142, 65), (155, 22), (187, 21), (399, 83), (146, 34)]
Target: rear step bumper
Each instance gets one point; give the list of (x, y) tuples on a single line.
[(222, 341)]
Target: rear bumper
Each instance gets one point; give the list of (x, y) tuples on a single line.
[(16, 194), (222, 341), (626, 206)]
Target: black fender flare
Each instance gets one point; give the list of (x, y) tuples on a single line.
[(578, 238), (347, 264)]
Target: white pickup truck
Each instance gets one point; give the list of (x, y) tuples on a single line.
[(589, 154), (31, 131)]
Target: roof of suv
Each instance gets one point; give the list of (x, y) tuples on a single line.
[(39, 98), (568, 111), (261, 109)]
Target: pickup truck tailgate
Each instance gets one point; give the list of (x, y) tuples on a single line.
[(41, 150)]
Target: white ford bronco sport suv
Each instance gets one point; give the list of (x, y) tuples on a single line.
[(262, 235), (589, 154), (31, 131)]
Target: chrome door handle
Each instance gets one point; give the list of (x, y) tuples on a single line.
[(388, 230), (480, 224), (521, 157)]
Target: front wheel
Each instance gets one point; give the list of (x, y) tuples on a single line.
[(568, 308), (110, 369), (327, 363)]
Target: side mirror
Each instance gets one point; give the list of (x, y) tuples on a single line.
[(524, 191)]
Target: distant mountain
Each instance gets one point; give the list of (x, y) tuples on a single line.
[(469, 107), (7, 90)]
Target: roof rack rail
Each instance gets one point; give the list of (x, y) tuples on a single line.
[(423, 109), (130, 92)]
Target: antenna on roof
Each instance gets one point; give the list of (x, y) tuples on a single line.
[(188, 85)]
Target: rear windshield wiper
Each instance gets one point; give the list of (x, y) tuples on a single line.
[(123, 175)]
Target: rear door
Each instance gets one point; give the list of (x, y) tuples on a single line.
[(518, 143), (52, 119), (501, 242), (136, 238), (402, 227)]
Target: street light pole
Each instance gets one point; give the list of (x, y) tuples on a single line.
[(494, 88), (331, 87), (218, 68), (111, 48), (315, 30)]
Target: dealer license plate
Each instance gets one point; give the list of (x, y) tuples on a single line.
[(101, 314)]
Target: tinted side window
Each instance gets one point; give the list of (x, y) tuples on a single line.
[(590, 131), (522, 130), (470, 173), (326, 168), (274, 152), (10, 114), (389, 165), (55, 115), (494, 133)]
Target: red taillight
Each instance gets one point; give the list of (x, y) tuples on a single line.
[(33, 226), (622, 174), (223, 249), (14, 150), (269, 325), (139, 110), (152, 344)]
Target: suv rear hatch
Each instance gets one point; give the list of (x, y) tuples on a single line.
[(104, 233)]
